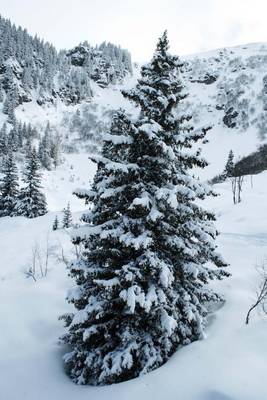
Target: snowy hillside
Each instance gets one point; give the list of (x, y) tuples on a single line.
[(227, 89), (221, 364), (77, 91)]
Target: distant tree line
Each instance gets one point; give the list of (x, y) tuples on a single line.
[(28, 63), (20, 138)]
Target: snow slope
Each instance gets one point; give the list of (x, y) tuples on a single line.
[(240, 72), (76, 171), (229, 364)]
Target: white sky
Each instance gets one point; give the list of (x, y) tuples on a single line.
[(193, 25)]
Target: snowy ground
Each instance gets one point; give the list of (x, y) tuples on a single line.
[(230, 364)]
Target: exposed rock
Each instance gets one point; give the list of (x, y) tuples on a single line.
[(229, 118)]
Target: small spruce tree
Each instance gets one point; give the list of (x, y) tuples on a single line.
[(67, 217), (55, 224), (45, 149), (12, 140), (144, 266), (9, 186), (229, 167), (10, 104), (3, 141), (32, 202)]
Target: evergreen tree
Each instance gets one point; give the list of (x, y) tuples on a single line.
[(55, 224), (67, 217), (10, 103), (9, 186), (12, 139), (45, 149), (55, 150), (229, 167), (32, 202), (27, 148), (1, 93), (142, 274), (24, 131), (3, 141), (20, 136)]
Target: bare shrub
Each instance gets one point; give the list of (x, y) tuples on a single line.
[(237, 183), (261, 292), (39, 263)]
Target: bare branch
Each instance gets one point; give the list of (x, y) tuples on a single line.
[(261, 293)]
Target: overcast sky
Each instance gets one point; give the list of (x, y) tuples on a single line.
[(193, 25)]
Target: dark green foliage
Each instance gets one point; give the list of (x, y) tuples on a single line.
[(252, 164), (220, 178), (3, 141), (55, 224)]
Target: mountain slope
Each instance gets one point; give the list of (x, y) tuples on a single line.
[(78, 90), (227, 89)]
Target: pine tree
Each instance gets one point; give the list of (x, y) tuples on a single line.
[(32, 202), (142, 274), (3, 141), (1, 93), (67, 217), (45, 149), (20, 136), (13, 140), (229, 167), (10, 104), (9, 186), (27, 148), (55, 224), (55, 150)]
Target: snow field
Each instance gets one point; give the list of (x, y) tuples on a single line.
[(229, 364)]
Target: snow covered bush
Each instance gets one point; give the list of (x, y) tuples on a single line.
[(141, 279), (40, 260)]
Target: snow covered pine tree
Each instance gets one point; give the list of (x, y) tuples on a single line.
[(31, 201), (67, 218), (55, 224), (9, 186), (229, 167), (141, 279)]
